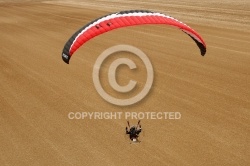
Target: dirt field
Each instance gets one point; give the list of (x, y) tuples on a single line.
[(38, 90)]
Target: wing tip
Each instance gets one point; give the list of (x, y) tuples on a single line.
[(65, 58), (203, 51)]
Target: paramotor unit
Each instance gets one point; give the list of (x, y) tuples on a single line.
[(124, 19), (134, 132)]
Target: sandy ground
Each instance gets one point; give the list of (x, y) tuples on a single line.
[(38, 90)]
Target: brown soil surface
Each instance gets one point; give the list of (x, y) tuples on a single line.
[(38, 90)]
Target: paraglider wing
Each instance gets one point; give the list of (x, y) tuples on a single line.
[(124, 19)]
